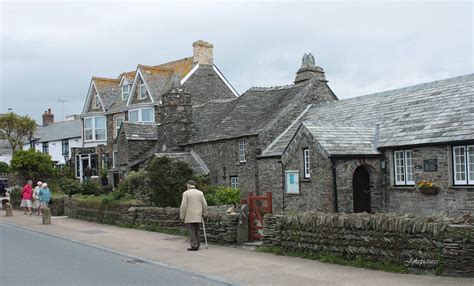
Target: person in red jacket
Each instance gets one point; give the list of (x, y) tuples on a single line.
[(26, 197)]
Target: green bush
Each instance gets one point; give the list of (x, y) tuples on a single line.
[(70, 186), (210, 193), (4, 168), (15, 195), (90, 188), (33, 165), (136, 184), (227, 196), (168, 181)]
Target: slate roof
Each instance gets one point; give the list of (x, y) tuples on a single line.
[(193, 159), (343, 139), (109, 91), (58, 131), (156, 80), (242, 116), (435, 112), (139, 131)]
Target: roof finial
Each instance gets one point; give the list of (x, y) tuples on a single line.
[(308, 61)]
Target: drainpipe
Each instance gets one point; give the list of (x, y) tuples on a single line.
[(334, 181), (283, 186)]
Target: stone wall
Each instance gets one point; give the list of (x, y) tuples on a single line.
[(222, 159), (452, 200), (221, 227), (423, 244)]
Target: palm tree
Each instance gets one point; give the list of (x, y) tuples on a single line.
[(15, 129)]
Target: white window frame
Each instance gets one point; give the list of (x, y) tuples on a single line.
[(234, 182), (126, 94), (242, 150), (403, 167), (466, 165), (96, 101), (306, 164), (93, 129), (117, 124), (142, 87), (140, 115)]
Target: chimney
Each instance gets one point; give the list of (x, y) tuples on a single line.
[(309, 70), (203, 52), (48, 117)]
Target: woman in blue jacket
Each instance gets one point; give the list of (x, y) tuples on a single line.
[(44, 197)]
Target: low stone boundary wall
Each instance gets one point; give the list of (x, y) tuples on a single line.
[(221, 227), (423, 244)]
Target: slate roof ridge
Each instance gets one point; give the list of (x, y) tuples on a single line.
[(157, 68), (175, 61), (220, 100), (266, 88), (319, 123), (105, 79), (417, 87)]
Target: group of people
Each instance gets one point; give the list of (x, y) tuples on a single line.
[(35, 199)]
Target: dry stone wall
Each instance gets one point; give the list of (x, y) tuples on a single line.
[(423, 244), (221, 226)]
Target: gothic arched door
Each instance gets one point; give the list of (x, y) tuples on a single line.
[(361, 190)]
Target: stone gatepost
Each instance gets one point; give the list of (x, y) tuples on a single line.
[(8, 209), (46, 216), (243, 225)]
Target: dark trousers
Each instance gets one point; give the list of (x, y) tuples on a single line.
[(194, 237)]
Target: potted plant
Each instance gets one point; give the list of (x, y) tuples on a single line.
[(427, 187), (103, 177)]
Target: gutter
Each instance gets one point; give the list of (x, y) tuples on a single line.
[(334, 181)]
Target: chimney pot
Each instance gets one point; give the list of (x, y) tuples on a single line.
[(48, 117), (203, 52)]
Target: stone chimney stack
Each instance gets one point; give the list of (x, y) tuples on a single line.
[(48, 117), (203, 53), (309, 70)]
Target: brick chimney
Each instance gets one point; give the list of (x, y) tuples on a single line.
[(203, 52), (48, 117), (309, 70)]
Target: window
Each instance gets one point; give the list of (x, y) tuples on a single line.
[(403, 165), (463, 165), (142, 115), (65, 147), (234, 182), (292, 185), (97, 101), (306, 163), (242, 150), (94, 128), (45, 148), (142, 90), (118, 123), (125, 91), (84, 161)]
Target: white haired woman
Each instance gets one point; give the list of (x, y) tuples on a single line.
[(45, 197), (36, 200)]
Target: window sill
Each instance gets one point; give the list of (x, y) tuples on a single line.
[(471, 187), (305, 180), (293, 194)]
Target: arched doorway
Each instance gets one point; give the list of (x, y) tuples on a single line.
[(361, 190)]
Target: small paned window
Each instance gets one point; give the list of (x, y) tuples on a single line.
[(403, 167), (234, 182), (463, 165), (243, 150), (306, 166)]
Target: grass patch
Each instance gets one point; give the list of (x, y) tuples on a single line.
[(327, 257)]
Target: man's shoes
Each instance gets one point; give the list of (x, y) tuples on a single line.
[(193, 249)]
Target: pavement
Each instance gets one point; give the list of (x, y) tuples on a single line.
[(230, 264)]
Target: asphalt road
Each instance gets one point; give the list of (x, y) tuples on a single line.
[(31, 258)]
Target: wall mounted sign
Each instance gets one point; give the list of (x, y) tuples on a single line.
[(430, 165), (292, 182), (89, 150)]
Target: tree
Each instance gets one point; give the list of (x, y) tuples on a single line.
[(15, 129), (4, 168), (32, 165), (168, 181)]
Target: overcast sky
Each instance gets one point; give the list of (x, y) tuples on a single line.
[(50, 50)]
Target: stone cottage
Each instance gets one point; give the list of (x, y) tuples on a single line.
[(136, 97), (368, 153)]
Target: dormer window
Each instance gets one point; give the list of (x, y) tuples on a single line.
[(125, 91), (97, 102), (142, 90)]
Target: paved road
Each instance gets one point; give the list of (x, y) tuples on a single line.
[(31, 258)]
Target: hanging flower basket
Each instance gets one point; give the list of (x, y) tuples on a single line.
[(428, 188)]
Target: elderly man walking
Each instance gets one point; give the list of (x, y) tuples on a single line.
[(193, 207)]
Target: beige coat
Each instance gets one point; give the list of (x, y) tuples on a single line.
[(193, 206)]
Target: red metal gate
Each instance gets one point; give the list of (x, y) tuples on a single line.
[(257, 209)]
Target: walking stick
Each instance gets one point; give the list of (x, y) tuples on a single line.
[(204, 229)]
